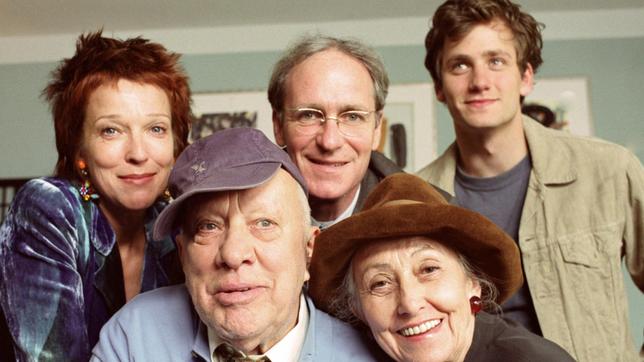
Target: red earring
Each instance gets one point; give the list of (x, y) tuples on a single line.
[(82, 167), (476, 304), (86, 190)]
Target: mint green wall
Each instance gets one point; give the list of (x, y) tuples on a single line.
[(613, 67), (26, 135), (230, 72)]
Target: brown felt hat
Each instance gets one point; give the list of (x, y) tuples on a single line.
[(404, 205)]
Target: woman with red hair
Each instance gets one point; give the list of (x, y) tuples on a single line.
[(77, 246)]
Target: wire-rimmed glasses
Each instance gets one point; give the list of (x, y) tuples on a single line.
[(309, 121)]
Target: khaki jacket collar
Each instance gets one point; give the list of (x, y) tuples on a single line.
[(443, 170), (549, 168)]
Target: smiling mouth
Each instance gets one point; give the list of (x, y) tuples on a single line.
[(327, 163), (420, 329), (137, 176), (479, 102)]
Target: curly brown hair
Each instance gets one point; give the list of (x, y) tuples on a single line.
[(98, 61), (454, 19)]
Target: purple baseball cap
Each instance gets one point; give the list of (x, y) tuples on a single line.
[(232, 159)]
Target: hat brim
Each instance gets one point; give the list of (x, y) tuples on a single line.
[(484, 245), (238, 178)]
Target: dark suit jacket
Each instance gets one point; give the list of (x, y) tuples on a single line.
[(496, 339), (380, 167)]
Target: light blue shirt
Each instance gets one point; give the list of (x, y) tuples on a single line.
[(162, 325)]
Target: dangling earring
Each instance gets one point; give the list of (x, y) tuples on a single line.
[(86, 190), (476, 304), (167, 196)]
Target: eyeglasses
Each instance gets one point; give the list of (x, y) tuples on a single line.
[(308, 121)]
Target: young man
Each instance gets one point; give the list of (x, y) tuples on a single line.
[(573, 205), (322, 79)]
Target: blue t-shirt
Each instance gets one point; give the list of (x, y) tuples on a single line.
[(500, 199)]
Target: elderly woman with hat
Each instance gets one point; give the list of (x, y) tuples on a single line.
[(421, 274)]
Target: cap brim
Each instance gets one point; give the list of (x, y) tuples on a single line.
[(485, 245), (238, 178)]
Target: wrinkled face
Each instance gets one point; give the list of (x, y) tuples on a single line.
[(127, 144), (414, 296), (244, 254), (482, 83), (332, 164)]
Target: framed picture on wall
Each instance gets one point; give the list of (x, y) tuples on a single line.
[(561, 103), (408, 137), (409, 130), (217, 111)]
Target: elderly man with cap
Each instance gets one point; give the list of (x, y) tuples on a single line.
[(244, 237)]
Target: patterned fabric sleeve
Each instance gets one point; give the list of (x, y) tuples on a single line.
[(41, 290)]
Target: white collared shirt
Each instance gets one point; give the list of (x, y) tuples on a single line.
[(345, 214), (286, 349)]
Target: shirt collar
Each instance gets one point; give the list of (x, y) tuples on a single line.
[(286, 349), (345, 214)]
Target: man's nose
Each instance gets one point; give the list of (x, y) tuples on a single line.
[(330, 138), (479, 78), (236, 249)]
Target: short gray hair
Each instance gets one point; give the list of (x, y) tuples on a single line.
[(312, 44), (345, 303)]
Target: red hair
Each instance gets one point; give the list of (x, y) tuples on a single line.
[(98, 61)]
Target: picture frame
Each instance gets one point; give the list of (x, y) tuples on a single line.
[(412, 106), (409, 107), (212, 110), (568, 99)]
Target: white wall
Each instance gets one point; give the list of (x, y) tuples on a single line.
[(592, 24)]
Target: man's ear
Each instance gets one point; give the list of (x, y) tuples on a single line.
[(313, 234), (439, 93), (377, 131), (314, 231), (527, 80), (278, 129), (181, 245)]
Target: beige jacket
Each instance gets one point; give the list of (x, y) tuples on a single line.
[(583, 212)]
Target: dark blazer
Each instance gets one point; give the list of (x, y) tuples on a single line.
[(496, 339), (380, 167)]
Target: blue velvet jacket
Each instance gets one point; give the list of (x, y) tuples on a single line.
[(60, 274)]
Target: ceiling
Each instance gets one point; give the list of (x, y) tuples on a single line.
[(48, 17)]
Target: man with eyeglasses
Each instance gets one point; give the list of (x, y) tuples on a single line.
[(327, 96)]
